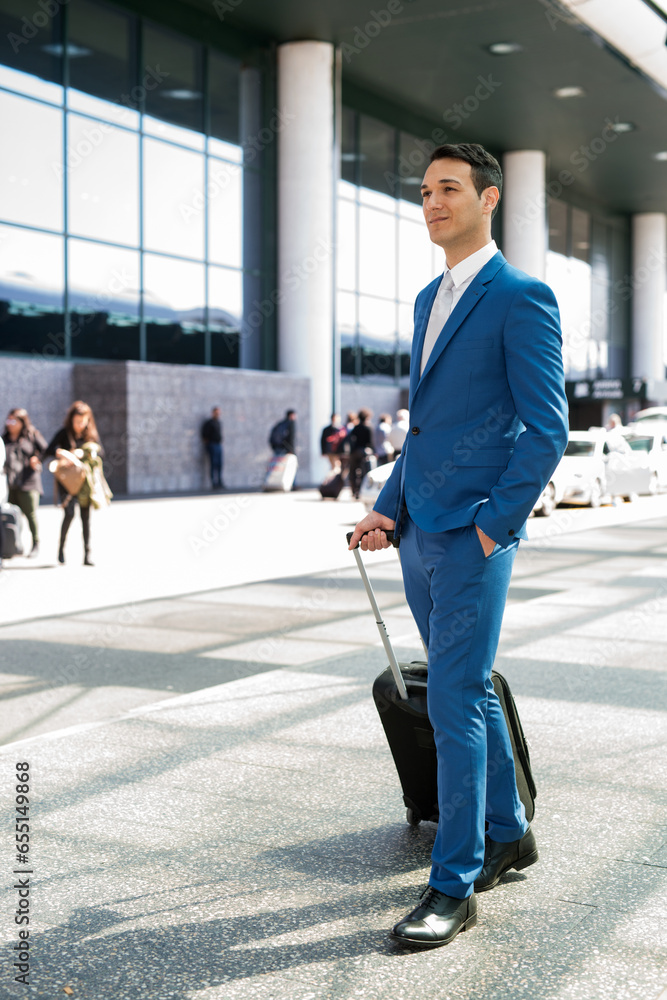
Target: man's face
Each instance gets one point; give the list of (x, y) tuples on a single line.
[(216, 412), (455, 214)]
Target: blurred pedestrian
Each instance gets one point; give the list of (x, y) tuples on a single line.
[(211, 434), (3, 489), (384, 449), (399, 431), (361, 448), (283, 435), (24, 447), (331, 440), (79, 430), (615, 439)]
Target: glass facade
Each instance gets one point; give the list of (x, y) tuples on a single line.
[(385, 256), (123, 233), (586, 262)]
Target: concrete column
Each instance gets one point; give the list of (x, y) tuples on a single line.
[(524, 211), (649, 253), (250, 103), (305, 227)]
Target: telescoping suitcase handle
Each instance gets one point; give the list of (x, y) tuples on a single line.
[(382, 628)]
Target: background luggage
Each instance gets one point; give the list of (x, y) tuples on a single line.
[(281, 474), (330, 487), (12, 544), (399, 693)]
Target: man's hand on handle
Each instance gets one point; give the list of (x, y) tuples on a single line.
[(372, 528)]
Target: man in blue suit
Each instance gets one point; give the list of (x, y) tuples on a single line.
[(488, 425)]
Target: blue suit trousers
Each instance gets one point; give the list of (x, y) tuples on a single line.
[(457, 597)]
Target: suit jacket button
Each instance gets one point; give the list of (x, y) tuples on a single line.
[(511, 531), (415, 430)]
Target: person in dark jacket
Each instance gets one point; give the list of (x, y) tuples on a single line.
[(331, 441), (79, 429), (211, 434), (361, 448), (24, 447), (283, 435)]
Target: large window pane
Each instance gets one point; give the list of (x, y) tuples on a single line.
[(223, 81), (346, 323), (174, 302), (377, 155), (414, 258), (225, 297), (225, 188), (103, 171), (173, 199), (177, 64), (104, 301), (31, 163), (348, 142), (412, 164), (377, 253), (346, 251), (377, 337), (31, 292), (35, 48), (104, 39)]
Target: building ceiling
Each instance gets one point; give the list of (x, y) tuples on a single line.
[(431, 58)]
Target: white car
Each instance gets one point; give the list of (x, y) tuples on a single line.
[(650, 445), (654, 416), (596, 466)]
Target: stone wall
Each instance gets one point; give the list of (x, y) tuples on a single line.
[(150, 415), (167, 404)]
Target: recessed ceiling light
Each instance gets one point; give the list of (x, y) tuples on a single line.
[(183, 95), (660, 156), (504, 48), (411, 180), (564, 92), (73, 51), (621, 127)]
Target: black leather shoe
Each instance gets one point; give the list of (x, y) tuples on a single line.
[(437, 920), (499, 858)]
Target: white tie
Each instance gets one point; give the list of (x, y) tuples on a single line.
[(440, 310)]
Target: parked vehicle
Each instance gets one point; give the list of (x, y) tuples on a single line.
[(597, 466), (653, 415), (650, 445)]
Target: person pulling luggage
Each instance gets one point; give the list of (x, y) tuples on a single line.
[(488, 416)]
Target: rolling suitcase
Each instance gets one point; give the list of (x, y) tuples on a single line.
[(12, 543), (330, 487), (280, 474), (399, 693)]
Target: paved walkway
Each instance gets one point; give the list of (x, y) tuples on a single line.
[(215, 812)]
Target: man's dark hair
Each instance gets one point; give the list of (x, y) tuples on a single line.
[(289, 414), (484, 169)]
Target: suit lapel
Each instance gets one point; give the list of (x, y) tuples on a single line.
[(421, 322), (472, 295)]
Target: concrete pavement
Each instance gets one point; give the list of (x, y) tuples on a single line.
[(216, 814)]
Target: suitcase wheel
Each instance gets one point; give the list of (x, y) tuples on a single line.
[(413, 818)]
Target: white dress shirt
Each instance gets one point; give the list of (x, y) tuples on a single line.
[(454, 283)]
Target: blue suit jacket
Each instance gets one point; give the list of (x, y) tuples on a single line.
[(488, 417)]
